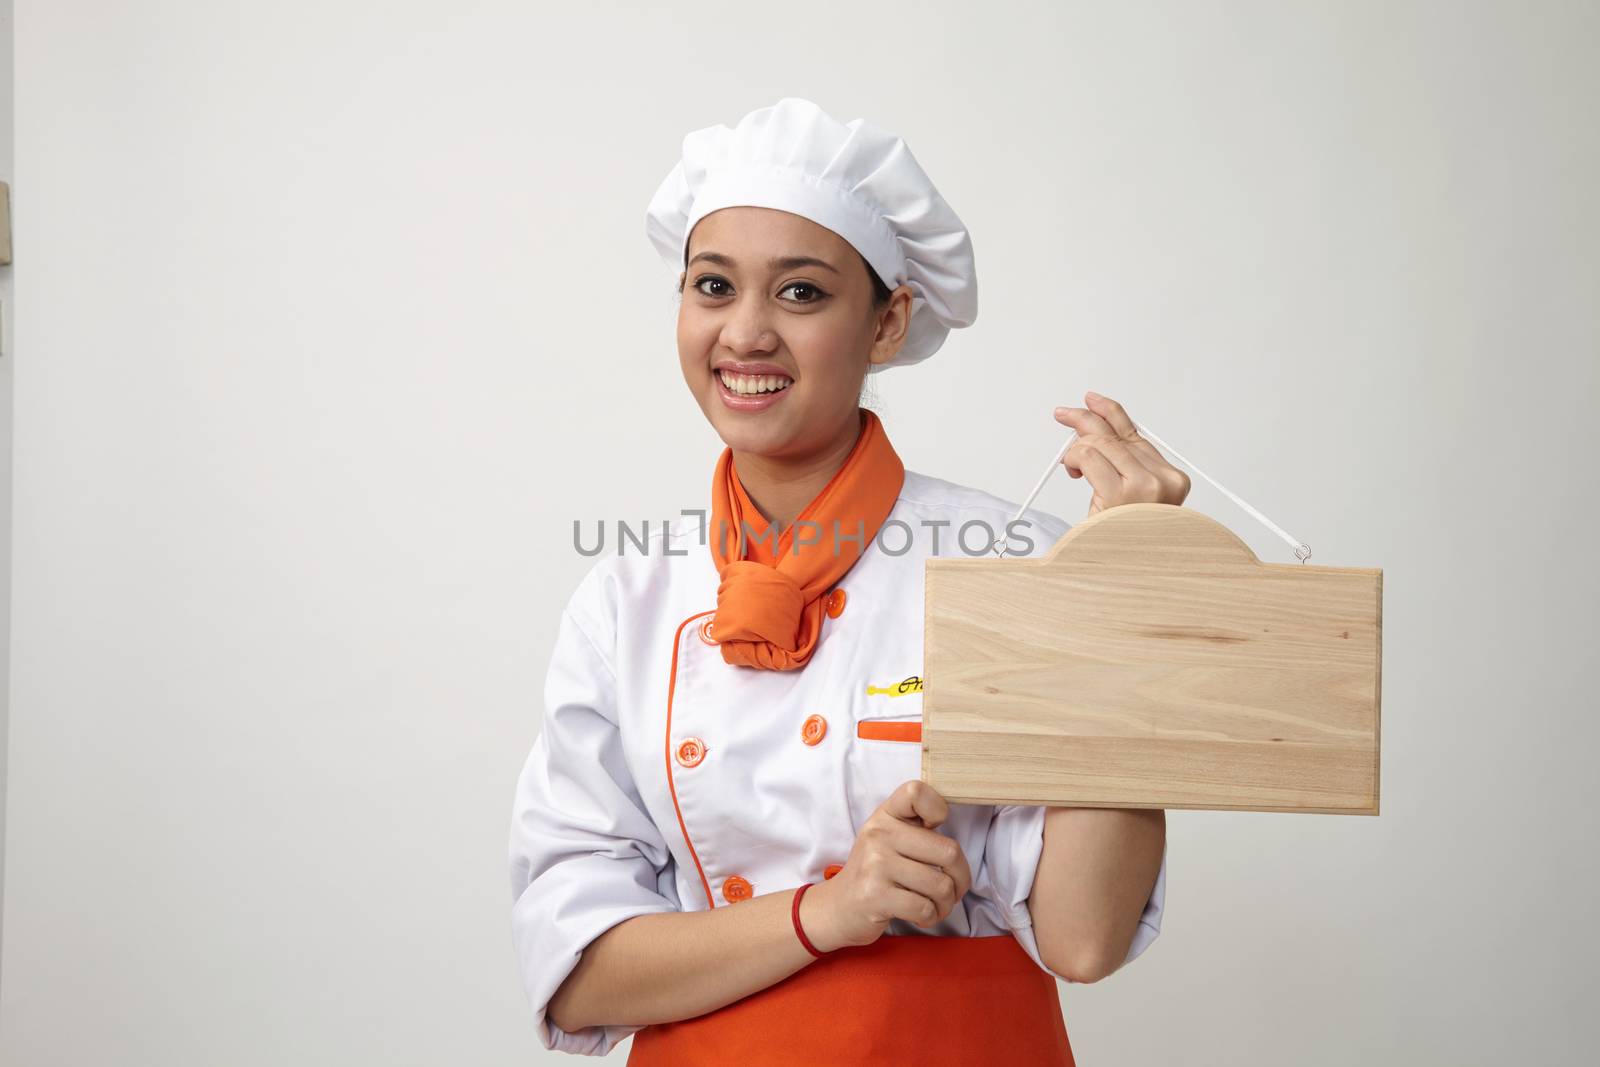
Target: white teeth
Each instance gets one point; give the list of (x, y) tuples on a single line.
[(752, 384)]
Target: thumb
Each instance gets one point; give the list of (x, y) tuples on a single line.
[(916, 801)]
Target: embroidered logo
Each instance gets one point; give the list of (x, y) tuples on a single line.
[(912, 684)]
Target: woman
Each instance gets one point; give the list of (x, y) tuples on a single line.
[(720, 841)]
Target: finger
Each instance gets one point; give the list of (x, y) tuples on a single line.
[(1155, 479), (1086, 458), (1138, 481), (917, 802), (912, 907), (925, 846), (1102, 475), (1113, 412), (935, 883), (1153, 459), (1122, 425), (1088, 423), (961, 872), (1084, 421), (1149, 454), (1127, 464)]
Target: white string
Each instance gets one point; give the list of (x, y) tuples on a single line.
[(1302, 551)]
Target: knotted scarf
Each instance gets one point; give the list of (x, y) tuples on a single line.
[(771, 598)]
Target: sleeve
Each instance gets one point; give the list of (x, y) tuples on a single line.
[(1016, 832), (1010, 861), (584, 854)]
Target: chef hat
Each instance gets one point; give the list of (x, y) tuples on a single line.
[(859, 181)]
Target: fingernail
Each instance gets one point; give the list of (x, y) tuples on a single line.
[(1097, 396), (1062, 410)]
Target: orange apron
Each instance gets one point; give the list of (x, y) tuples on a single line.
[(913, 999)]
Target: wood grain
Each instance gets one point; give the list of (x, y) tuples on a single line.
[(1150, 660)]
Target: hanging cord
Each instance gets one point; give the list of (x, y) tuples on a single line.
[(1302, 550)]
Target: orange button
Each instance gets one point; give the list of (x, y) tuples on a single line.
[(735, 889), (813, 730), (836, 601), (833, 869), (705, 632), (691, 750)]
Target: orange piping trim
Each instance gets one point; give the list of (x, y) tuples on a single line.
[(672, 686), (889, 731)]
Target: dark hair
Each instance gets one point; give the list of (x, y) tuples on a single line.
[(880, 292)]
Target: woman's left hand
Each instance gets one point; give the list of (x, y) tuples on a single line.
[(1123, 468)]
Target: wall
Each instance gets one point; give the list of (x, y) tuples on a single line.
[(7, 315), (332, 318)]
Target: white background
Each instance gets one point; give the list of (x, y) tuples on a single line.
[(331, 317)]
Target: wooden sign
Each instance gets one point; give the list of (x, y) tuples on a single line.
[(1150, 660)]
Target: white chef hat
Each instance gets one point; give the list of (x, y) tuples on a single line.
[(859, 181)]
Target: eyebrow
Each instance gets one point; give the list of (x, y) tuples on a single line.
[(776, 263)]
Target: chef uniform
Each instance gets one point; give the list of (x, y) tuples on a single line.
[(684, 766)]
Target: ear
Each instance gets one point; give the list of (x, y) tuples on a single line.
[(894, 321)]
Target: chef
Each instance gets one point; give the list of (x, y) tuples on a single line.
[(720, 842)]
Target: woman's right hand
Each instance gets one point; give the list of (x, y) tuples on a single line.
[(898, 868)]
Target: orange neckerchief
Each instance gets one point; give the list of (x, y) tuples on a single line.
[(771, 599)]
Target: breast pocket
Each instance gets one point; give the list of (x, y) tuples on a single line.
[(885, 747)]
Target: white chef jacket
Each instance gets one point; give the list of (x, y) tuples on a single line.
[(661, 771)]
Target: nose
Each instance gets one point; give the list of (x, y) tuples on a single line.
[(748, 329)]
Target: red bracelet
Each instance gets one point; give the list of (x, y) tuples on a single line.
[(795, 912)]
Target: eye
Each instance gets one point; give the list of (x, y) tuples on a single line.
[(818, 294), (713, 280)]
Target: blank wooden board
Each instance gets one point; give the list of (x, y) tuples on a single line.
[(1150, 660)]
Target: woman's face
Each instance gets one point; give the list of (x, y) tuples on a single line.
[(777, 328)]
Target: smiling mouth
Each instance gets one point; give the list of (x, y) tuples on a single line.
[(754, 384)]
